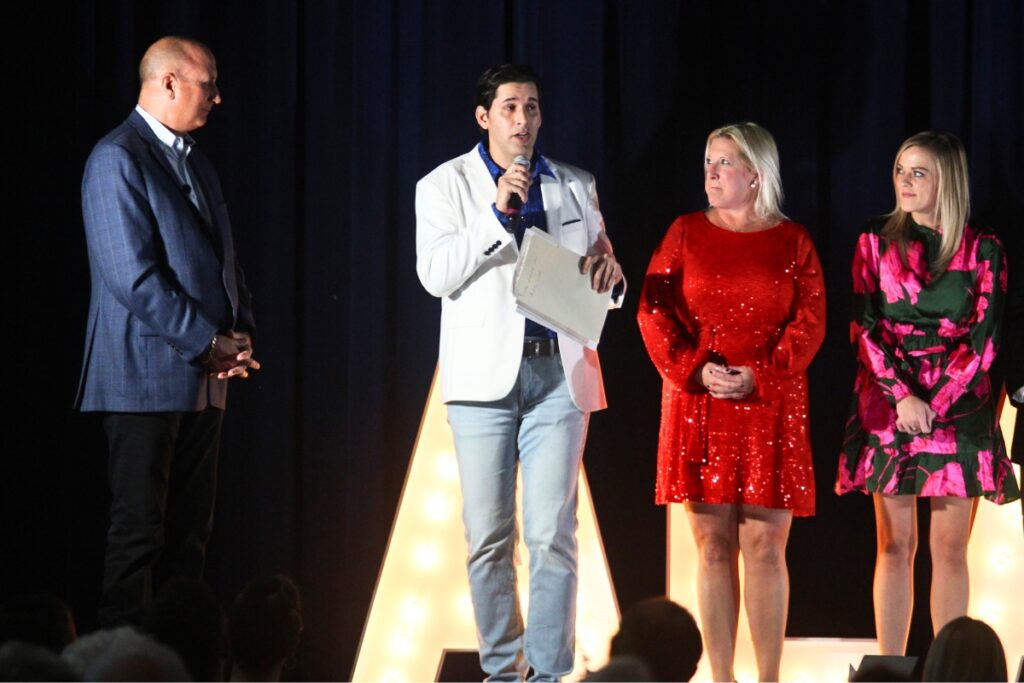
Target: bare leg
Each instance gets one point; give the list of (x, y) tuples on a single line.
[(896, 522), (763, 533), (951, 523), (718, 583)]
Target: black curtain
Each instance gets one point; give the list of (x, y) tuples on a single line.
[(331, 113)]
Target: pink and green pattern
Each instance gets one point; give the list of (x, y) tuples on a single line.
[(934, 338)]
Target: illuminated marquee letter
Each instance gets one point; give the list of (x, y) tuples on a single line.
[(421, 606)]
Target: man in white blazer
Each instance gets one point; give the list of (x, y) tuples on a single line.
[(517, 393)]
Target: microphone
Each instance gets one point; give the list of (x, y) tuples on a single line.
[(515, 202)]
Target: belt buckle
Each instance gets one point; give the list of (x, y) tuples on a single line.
[(537, 348)]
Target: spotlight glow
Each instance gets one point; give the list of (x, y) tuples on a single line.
[(745, 676), (464, 607), (991, 611), (438, 507), (401, 644), (1001, 559), (446, 466), (413, 610), (426, 556)]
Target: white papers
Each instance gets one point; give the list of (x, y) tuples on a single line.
[(549, 289)]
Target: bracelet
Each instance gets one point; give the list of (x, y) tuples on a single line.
[(208, 356)]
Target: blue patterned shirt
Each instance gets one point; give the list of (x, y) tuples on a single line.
[(532, 215)]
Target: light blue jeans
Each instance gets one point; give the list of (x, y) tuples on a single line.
[(538, 425)]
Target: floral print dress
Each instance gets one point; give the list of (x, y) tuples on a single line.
[(934, 338)]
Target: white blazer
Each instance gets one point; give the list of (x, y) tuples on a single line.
[(464, 256)]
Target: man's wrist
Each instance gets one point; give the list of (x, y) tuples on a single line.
[(210, 350), (504, 218)]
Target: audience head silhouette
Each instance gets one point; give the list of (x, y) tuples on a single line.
[(660, 633), (122, 654), (39, 619), (965, 649), (186, 616), (20, 661), (138, 659), (265, 626)]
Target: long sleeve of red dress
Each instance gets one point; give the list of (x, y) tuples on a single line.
[(804, 332), (665, 325)]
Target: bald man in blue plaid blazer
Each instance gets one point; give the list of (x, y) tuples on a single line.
[(169, 324)]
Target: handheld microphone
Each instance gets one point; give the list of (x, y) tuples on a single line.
[(515, 202)]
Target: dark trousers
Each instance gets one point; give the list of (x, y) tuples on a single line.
[(163, 479)]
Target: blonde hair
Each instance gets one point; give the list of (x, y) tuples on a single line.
[(953, 197), (759, 153)]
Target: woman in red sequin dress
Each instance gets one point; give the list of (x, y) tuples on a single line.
[(732, 311)]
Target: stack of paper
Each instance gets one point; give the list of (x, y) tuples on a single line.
[(549, 288)]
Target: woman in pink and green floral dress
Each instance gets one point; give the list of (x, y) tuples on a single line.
[(928, 292)]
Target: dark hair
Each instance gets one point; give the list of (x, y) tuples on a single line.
[(965, 649), (186, 616), (39, 619), (664, 635), (265, 624), (490, 80)]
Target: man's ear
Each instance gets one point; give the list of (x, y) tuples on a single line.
[(168, 82), (481, 117)]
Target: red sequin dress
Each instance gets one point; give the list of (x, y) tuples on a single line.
[(755, 299)]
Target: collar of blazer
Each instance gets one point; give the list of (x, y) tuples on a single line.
[(562, 204), (156, 150)]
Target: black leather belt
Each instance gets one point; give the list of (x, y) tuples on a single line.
[(538, 348)]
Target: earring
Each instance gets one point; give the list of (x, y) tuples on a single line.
[(753, 183)]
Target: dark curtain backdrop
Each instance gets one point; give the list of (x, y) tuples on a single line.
[(331, 113)]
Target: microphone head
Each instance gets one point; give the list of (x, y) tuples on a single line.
[(522, 160)]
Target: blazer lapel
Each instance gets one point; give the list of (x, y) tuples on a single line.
[(201, 171), (551, 191), (220, 230), (153, 144), (564, 214), (479, 178), (160, 158)]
